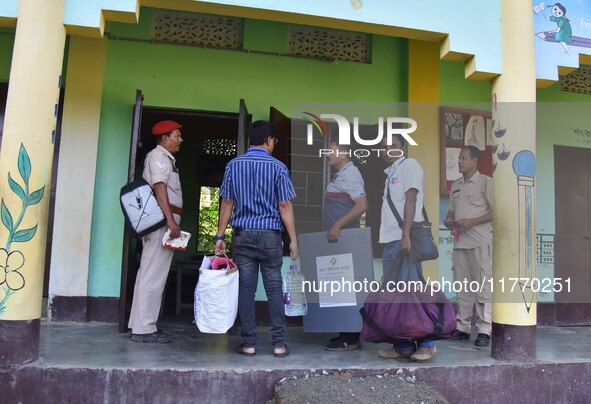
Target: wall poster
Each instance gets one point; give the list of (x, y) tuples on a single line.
[(464, 127)]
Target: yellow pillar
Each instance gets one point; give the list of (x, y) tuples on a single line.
[(423, 107), (25, 173), (514, 243)]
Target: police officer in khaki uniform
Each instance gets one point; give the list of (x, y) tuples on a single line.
[(161, 173), (470, 218)]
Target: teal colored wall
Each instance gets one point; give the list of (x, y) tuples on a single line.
[(9, 8), (210, 79), (88, 13), (6, 44), (558, 113)]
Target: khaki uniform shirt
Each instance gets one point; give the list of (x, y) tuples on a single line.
[(160, 167), (470, 199)]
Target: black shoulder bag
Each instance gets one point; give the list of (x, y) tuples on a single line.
[(422, 243)]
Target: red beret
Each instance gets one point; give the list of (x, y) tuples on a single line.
[(163, 127)]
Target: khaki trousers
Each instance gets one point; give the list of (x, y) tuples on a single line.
[(474, 265), (150, 282)]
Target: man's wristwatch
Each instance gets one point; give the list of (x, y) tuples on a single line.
[(216, 238)]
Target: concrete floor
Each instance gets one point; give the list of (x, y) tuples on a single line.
[(98, 345)]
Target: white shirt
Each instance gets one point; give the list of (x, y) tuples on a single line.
[(403, 175)]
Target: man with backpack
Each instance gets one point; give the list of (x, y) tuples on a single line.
[(161, 173)]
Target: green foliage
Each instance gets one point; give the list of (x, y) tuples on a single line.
[(209, 206)]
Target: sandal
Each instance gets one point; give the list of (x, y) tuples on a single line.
[(282, 354), (240, 349)]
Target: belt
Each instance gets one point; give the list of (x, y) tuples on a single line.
[(238, 230), (176, 210)]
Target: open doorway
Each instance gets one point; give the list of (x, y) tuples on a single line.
[(210, 140)]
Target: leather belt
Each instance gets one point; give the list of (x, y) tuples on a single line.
[(237, 230), (176, 210)]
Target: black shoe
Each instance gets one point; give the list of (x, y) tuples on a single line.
[(157, 337), (461, 335), (482, 340), (338, 344)]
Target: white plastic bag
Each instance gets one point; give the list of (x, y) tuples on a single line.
[(216, 300)]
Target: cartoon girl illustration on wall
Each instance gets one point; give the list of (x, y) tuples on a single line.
[(563, 32)]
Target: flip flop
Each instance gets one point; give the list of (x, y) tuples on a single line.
[(283, 354), (240, 350)]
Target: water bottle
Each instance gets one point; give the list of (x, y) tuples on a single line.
[(294, 296)]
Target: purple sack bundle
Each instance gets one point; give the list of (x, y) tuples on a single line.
[(413, 313)]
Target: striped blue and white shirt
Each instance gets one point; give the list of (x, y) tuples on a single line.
[(257, 182)]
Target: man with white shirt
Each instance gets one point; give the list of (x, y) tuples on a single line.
[(405, 184)]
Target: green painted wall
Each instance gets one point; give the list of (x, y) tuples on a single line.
[(209, 79), (6, 44), (455, 88), (6, 48)]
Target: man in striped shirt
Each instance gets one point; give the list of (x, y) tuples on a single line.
[(256, 195)]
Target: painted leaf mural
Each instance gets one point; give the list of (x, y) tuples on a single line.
[(13, 263)]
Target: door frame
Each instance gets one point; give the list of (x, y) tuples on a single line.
[(243, 117)]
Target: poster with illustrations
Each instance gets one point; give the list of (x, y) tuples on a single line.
[(464, 127), (475, 132)]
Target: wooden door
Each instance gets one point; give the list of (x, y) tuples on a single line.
[(282, 125), (3, 96), (135, 136), (572, 242), (244, 119)]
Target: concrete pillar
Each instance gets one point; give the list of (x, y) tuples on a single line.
[(423, 107), (514, 242), (68, 280), (25, 173)]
